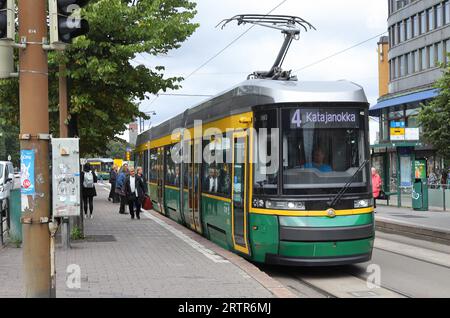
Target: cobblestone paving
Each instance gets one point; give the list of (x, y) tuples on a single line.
[(134, 258)]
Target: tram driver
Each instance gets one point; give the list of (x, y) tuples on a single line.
[(318, 161)]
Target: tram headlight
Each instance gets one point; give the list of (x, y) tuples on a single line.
[(300, 206), (361, 204), (285, 205), (258, 203)]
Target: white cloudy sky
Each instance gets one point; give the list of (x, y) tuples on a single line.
[(340, 25)]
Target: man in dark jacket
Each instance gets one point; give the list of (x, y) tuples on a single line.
[(133, 189)]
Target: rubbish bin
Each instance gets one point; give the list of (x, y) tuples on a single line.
[(420, 195), (15, 231)]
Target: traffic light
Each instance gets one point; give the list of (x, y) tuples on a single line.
[(7, 19), (65, 21), (128, 156)]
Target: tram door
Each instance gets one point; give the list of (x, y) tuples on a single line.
[(195, 187), (161, 177), (239, 193)]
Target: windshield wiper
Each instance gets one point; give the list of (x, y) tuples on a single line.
[(339, 195)]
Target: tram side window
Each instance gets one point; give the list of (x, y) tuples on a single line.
[(145, 165), (172, 170), (266, 163), (217, 175), (153, 165)]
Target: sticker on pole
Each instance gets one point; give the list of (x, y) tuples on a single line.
[(27, 161)]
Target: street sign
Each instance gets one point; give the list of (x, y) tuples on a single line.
[(412, 134), (397, 134), (398, 124)]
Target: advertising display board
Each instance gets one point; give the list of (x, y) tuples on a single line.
[(66, 177)]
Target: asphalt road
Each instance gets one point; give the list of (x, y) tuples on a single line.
[(408, 268)]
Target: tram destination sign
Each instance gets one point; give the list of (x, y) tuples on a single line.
[(324, 118)]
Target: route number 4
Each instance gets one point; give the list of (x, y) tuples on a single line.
[(297, 119)]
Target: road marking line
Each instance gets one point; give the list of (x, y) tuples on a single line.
[(195, 245)]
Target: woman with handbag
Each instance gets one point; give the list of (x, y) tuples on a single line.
[(141, 188), (376, 186)]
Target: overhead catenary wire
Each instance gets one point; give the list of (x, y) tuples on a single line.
[(339, 52)]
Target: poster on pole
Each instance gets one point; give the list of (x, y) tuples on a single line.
[(27, 162), (66, 177)]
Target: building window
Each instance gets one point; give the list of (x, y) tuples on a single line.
[(411, 116), (431, 20), (416, 26), (408, 29), (432, 57), (423, 23), (402, 66), (423, 59), (396, 68), (411, 60), (447, 12), (416, 61), (393, 36), (390, 70), (447, 50), (440, 52), (402, 31), (439, 16)]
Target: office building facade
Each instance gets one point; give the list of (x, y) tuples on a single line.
[(409, 61)]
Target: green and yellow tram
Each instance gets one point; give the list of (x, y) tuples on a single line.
[(275, 171)]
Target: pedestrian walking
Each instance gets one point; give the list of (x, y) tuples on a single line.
[(134, 187), (376, 186), (141, 189), (112, 180), (88, 180), (120, 188)]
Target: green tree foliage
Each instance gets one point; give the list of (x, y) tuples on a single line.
[(105, 88), (435, 117)]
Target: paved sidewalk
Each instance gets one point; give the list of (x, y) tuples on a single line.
[(151, 257), (427, 225)]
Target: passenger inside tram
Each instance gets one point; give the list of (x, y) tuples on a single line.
[(212, 181)]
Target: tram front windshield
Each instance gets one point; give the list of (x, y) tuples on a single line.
[(322, 149)]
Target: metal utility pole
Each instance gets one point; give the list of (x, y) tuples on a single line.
[(34, 135), (63, 133)]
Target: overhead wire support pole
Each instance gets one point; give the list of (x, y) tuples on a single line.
[(35, 138)]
